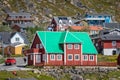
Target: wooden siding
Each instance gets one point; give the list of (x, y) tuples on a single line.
[(35, 51), (73, 51), (88, 62), (30, 62), (55, 62), (108, 44), (35, 41)]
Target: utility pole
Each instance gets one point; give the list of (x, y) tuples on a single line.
[(2, 49)]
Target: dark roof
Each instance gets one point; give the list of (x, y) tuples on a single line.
[(112, 25), (105, 35), (19, 14), (21, 79), (24, 37), (110, 37), (98, 14), (6, 36)]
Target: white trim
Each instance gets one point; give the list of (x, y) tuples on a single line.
[(64, 53), (20, 45), (53, 57), (92, 56), (77, 47), (60, 56), (81, 55), (68, 57), (34, 59), (65, 36), (46, 58), (86, 57), (78, 57), (33, 40), (96, 59)]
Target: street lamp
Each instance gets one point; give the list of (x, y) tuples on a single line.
[(2, 46)]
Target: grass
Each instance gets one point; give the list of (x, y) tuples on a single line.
[(2, 60), (103, 58), (29, 74), (24, 74)]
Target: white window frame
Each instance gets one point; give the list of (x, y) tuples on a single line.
[(70, 55), (90, 57), (59, 55), (52, 56), (17, 39), (85, 57), (68, 46), (77, 46), (75, 57), (114, 43)]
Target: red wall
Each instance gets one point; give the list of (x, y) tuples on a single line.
[(55, 62), (35, 41), (73, 51), (108, 44), (35, 50), (88, 62), (30, 62)]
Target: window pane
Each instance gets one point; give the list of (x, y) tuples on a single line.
[(69, 57), (69, 46), (52, 56), (76, 46), (76, 56), (59, 57)]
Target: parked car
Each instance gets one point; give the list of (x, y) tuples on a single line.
[(10, 61)]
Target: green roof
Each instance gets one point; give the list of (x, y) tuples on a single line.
[(52, 40)]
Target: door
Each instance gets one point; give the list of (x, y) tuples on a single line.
[(38, 58)]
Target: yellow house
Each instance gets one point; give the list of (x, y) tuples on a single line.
[(14, 49)]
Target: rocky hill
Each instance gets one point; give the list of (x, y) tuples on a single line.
[(44, 10)]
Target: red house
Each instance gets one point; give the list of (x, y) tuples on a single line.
[(62, 48), (108, 42), (60, 23)]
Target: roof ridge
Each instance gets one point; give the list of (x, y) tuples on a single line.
[(65, 36)]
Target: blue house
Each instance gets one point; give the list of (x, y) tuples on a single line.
[(98, 19)]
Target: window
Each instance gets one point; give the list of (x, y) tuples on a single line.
[(69, 46), (76, 57), (59, 57), (76, 46), (38, 58), (52, 57), (70, 57), (37, 45), (85, 57), (41, 46), (91, 57), (17, 39), (113, 43)]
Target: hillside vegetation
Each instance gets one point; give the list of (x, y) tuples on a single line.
[(44, 10)]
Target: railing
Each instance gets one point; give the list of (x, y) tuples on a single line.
[(106, 64)]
